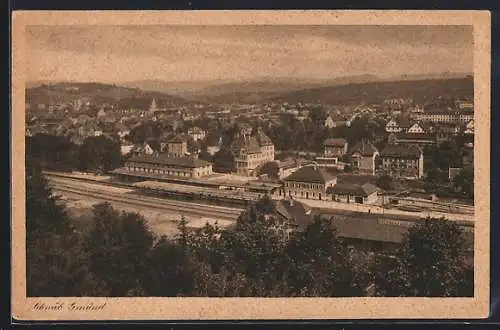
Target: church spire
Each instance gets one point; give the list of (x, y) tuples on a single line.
[(152, 107)]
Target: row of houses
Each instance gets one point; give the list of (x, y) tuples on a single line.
[(399, 160), (424, 125)]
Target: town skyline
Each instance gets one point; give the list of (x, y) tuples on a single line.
[(109, 54)]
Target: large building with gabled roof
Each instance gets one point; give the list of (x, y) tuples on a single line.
[(164, 165), (364, 157), (403, 161), (309, 182), (251, 151)]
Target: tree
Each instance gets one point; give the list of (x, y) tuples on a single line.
[(430, 263), (148, 130), (204, 155), (464, 182), (224, 161), (360, 130), (270, 168), (183, 237), (385, 182), (171, 271), (99, 153), (318, 116), (118, 245), (56, 264), (51, 151), (435, 176), (319, 263), (446, 155), (265, 205), (255, 249)]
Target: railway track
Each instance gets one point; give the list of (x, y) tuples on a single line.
[(98, 186), (132, 196), (131, 200)]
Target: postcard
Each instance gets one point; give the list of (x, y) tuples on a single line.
[(250, 165)]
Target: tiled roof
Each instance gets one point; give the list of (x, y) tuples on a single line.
[(295, 212), (310, 174), (426, 125), (356, 179), (354, 189), (335, 142), (401, 151), (238, 142), (249, 143), (263, 139), (252, 145), (164, 138), (369, 229), (364, 148), (287, 164), (170, 161), (403, 122), (416, 136), (177, 139)]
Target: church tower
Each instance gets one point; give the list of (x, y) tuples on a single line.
[(152, 107)]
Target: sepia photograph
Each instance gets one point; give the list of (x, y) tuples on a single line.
[(280, 159)]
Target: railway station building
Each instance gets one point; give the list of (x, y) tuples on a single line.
[(164, 164)]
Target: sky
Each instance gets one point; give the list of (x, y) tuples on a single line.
[(203, 53)]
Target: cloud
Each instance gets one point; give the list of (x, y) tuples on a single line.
[(119, 53)]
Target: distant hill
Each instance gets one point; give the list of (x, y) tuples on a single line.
[(36, 83), (96, 92), (254, 90), (178, 88), (421, 91), (334, 90), (430, 76), (342, 90)]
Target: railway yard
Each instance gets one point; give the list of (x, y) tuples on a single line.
[(163, 204), (162, 214)]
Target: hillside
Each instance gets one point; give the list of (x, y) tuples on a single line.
[(95, 92), (177, 88), (335, 90), (421, 91), (255, 90)]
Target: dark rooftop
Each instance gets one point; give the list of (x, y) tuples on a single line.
[(177, 139), (403, 121), (310, 174), (262, 138), (369, 229), (354, 189), (163, 159), (416, 136), (364, 148), (335, 142), (356, 179), (401, 151), (294, 212)]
